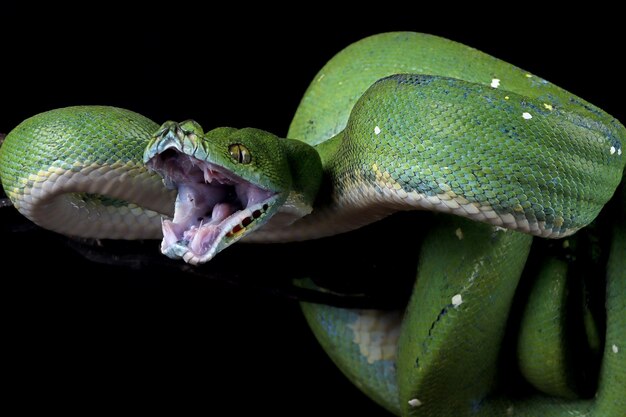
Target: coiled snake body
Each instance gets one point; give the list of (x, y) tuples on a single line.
[(397, 121)]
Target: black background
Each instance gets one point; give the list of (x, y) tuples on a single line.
[(83, 335)]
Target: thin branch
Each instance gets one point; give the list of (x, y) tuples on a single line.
[(132, 256)]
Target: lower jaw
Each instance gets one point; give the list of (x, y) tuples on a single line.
[(182, 251)]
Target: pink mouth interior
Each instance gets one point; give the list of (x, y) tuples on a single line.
[(209, 197)]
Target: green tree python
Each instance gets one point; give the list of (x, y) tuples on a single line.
[(396, 121)]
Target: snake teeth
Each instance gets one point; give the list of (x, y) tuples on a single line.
[(207, 175), (171, 231)]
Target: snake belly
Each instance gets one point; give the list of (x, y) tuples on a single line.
[(79, 171), (398, 121)]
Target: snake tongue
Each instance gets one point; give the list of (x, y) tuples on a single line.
[(206, 235), (221, 211), (204, 238), (201, 236)]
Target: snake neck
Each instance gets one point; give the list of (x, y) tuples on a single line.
[(347, 200)]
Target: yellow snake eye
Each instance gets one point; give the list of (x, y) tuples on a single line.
[(240, 153)]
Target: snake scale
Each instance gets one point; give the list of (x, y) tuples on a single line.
[(397, 121)]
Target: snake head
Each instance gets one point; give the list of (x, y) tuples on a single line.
[(230, 182)]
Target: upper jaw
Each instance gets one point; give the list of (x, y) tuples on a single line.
[(171, 135), (214, 207)]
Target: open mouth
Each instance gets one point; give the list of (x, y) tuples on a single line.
[(214, 207)]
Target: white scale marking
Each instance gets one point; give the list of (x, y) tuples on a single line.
[(415, 402), (457, 300), (377, 130), (615, 348), (527, 115), (495, 83)]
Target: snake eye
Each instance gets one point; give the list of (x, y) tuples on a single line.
[(240, 153)]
